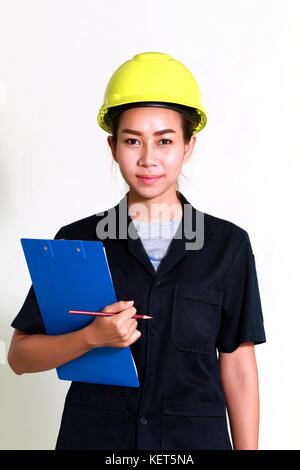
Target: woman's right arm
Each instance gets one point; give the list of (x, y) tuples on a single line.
[(39, 352)]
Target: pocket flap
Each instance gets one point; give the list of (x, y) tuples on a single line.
[(97, 400), (202, 294), (193, 408)]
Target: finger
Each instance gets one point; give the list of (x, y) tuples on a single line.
[(117, 306), (135, 337), (131, 325), (126, 314)]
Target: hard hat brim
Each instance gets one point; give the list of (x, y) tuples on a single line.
[(192, 113)]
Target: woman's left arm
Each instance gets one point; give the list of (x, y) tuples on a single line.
[(240, 384)]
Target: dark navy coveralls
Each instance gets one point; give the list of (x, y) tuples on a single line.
[(201, 301)]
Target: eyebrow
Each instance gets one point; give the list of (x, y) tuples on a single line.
[(163, 131)]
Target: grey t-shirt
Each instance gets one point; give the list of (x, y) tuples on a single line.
[(156, 237)]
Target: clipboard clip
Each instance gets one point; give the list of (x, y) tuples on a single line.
[(76, 245), (78, 249), (46, 248)]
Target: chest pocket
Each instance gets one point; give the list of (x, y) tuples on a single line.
[(194, 317)]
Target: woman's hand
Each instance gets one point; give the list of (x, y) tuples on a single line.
[(116, 331)]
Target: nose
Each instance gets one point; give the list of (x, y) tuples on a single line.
[(147, 156)]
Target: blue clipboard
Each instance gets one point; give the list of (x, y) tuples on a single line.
[(74, 275)]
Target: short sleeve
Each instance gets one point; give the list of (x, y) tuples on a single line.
[(29, 319), (242, 317)]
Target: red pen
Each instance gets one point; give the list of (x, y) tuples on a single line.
[(104, 314)]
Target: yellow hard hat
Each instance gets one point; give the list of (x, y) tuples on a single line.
[(153, 79)]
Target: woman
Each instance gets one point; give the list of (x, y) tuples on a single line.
[(192, 272)]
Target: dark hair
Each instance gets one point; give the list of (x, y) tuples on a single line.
[(188, 125)]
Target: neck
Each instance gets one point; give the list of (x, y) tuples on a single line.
[(162, 208)]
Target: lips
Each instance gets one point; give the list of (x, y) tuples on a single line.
[(148, 178)]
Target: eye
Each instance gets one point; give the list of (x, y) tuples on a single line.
[(130, 139)]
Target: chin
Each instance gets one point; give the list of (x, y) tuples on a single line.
[(148, 191)]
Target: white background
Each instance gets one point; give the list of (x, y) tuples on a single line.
[(56, 59)]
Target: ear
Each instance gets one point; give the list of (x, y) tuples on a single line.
[(188, 149), (112, 148)]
